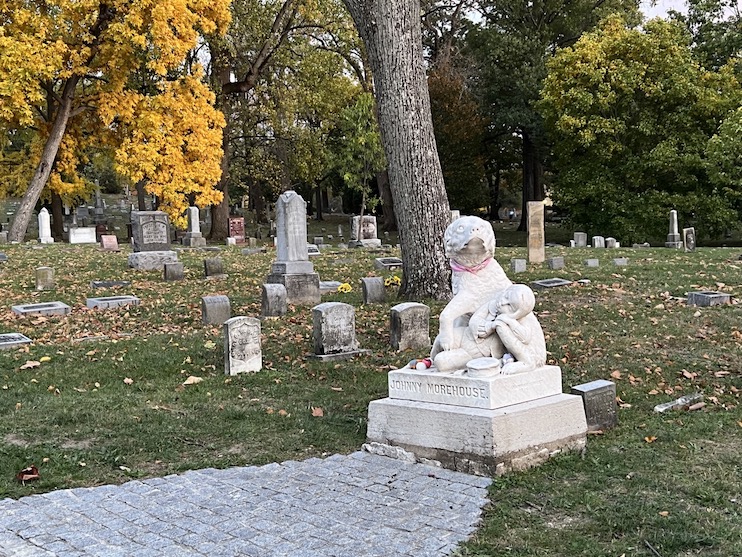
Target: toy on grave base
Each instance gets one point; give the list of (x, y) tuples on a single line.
[(420, 364)]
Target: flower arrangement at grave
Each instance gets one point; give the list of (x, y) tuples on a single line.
[(345, 288), (391, 281)]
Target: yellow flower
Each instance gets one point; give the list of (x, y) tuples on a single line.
[(345, 287), (392, 281)]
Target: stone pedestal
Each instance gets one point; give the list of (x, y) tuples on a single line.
[(483, 425), (673, 237), (536, 243), (151, 260)]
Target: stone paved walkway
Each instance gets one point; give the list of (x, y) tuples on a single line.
[(357, 505)]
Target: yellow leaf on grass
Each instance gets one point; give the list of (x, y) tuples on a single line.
[(664, 513), (651, 439), (192, 380), (30, 364), (44, 358)]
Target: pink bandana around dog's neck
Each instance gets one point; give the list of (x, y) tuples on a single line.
[(462, 268)]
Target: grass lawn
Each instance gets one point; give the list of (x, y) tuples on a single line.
[(99, 397)]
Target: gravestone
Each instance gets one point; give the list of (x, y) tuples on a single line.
[(409, 326), (110, 302), (689, 239), (599, 400), (108, 283), (109, 242), (214, 267), (373, 290), (83, 235), (611, 243), (536, 244), (44, 278), (3, 237), (334, 331), (242, 349), (708, 298), (389, 263), (274, 300), (555, 263), (319, 240), (3, 257), (13, 340), (620, 261), (193, 237), (45, 228), (312, 250), (364, 233), (592, 263), (550, 283), (173, 271), (45, 308), (598, 242), (580, 239), (215, 310), (292, 267), (518, 265), (150, 241), (673, 237), (455, 214), (237, 229), (329, 286)]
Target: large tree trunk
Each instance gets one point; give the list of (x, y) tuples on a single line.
[(494, 178), (387, 202), (390, 29), (141, 196), (220, 213), (57, 217), (25, 210), (533, 183)]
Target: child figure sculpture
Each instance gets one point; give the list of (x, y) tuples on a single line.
[(505, 325)]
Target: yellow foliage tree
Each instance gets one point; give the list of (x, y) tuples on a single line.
[(68, 69)]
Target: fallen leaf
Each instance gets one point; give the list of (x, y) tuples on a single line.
[(616, 374), (28, 474), (651, 439), (283, 412), (128, 380), (664, 513), (338, 389), (44, 358), (192, 380), (30, 364), (209, 345), (317, 412)]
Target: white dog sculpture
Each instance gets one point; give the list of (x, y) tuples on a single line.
[(476, 277)]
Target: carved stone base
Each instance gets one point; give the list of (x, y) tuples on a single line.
[(301, 289), (194, 240), (477, 440), (151, 260)]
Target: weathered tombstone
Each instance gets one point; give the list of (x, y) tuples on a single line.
[(319, 240), (45, 308), (620, 261), (673, 237), (536, 244), (550, 283), (708, 298), (292, 267), (364, 233), (555, 263), (334, 331), (231, 241), (213, 267), (110, 302), (689, 239), (108, 283), (644, 245), (45, 228), (13, 340), (390, 263), (83, 235), (274, 300), (173, 271), (242, 350), (109, 242), (373, 290), (193, 237), (312, 250), (598, 242), (409, 326), (610, 243), (599, 400), (215, 310), (3, 237), (518, 265), (237, 229), (592, 263), (3, 257), (580, 239), (328, 286), (44, 278), (150, 241)]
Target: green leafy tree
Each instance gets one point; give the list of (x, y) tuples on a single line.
[(724, 159), (631, 113)]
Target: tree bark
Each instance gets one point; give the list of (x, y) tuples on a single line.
[(533, 184), (57, 217), (494, 178), (387, 202), (390, 29), (24, 212)]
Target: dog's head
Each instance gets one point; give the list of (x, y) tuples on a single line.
[(469, 241)]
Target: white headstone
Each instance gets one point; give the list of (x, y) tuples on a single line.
[(242, 350), (291, 227), (45, 229)]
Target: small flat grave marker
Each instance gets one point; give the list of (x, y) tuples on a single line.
[(312, 250), (518, 265), (108, 283), (11, 340), (550, 283), (328, 286), (109, 242), (555, 263), (48, 308), (3, 257), (390, 263), (110, 302), (708, 298), (592, 263), (599, 399), (620, 261)]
